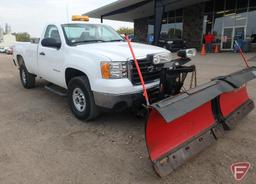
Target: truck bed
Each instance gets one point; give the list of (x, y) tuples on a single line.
[(28, 51)]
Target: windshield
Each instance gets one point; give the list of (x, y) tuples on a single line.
[(89, 33)]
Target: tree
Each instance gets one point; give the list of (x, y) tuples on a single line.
[(125, 30), (22, 37)]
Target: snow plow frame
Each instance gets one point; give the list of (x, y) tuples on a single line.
[(173, 108), (181, 125)]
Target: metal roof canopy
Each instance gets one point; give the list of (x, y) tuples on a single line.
[(129, 10)]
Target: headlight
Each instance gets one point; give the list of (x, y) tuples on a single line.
[(170, 42), (190, 52), (114, 70), (162, 58), (187, 53)]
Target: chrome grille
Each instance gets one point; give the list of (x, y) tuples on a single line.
[(149, 71)]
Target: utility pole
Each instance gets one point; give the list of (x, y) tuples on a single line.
[(1, 34), (7, 28)]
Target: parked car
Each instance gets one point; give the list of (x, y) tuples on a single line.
[(9, 50), (172, 45), (2, 50)]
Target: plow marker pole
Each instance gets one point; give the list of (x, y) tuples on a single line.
[(242, 54), (145, 93)]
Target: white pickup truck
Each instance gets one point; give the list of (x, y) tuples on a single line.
[(92, 62)]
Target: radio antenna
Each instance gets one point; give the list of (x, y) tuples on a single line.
[(67, 10)]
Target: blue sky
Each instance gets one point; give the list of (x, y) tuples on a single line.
[(31, 15)]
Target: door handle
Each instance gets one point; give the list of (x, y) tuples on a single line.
[(42, 53)]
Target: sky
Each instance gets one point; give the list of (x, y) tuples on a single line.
[(31, 15)]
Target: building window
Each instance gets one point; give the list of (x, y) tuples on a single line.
[(208, 22), (230, 6), (172, 25), (251, 26), (150, 35), (219, 6), (209, 7), (252, 5), (242, 4)]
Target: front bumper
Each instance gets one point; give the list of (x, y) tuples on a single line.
[(122, 101), (119, 102)]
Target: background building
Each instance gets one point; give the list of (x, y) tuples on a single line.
[(186, 19)]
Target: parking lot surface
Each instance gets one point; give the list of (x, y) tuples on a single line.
[(41, 142)]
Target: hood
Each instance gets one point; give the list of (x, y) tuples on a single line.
[(119, 51)]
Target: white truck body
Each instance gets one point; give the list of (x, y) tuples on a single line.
[(87, 58)]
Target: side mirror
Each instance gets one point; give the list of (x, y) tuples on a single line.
[(50, 42)]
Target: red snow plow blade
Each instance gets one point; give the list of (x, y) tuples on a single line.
[(180, 127)]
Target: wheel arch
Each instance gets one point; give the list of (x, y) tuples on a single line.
[(72, 72), (20, 60)]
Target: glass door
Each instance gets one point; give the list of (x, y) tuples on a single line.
[(240, 32), (239, 35), (227, 38), (229, 35)]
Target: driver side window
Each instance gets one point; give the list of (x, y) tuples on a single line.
[(52, 32)]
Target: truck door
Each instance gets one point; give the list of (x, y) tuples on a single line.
[(51, 60)]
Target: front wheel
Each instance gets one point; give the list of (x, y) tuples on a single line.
[(81, 99)]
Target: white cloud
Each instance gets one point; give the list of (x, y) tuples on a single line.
[(31, 15)]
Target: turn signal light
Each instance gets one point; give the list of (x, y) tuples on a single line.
[(105, 71)]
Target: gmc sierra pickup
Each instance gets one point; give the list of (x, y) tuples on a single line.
[(93, 63)]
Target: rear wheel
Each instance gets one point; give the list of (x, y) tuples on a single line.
[(81, 99), (27, 79)]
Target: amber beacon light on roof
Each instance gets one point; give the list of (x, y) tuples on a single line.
[(80, 18)]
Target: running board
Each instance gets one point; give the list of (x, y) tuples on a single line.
[(56, 89)]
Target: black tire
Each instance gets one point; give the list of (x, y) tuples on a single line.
[(27, 79), (81, 99)]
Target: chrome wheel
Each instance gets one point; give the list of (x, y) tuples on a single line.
[(23, 76), (79, 100)]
